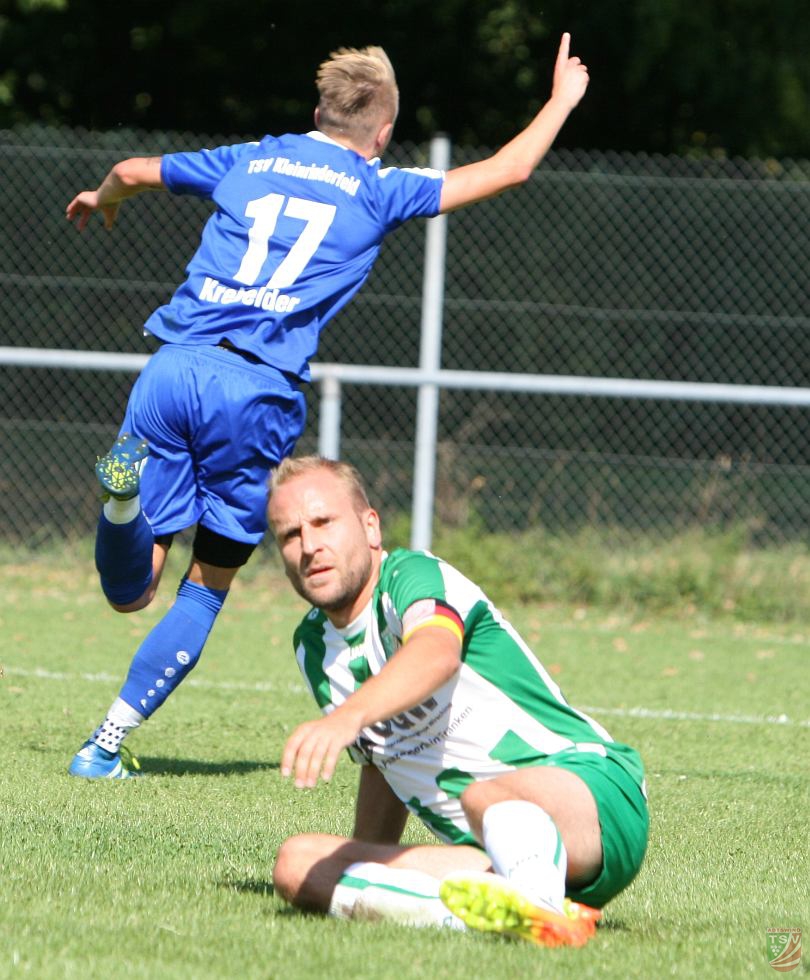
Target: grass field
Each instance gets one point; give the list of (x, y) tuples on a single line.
[(170, 876)]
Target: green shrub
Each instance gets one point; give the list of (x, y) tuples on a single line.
[(714, 572), (697, 571)]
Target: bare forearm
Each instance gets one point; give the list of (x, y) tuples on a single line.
[(511, 166), (423, 665), (426, 662), (520, 156), (128, 178)]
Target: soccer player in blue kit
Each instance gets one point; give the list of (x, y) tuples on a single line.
[(298, 223)]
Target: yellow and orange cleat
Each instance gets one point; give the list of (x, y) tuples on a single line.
[(490, 903)]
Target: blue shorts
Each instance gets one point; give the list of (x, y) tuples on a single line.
[(216, 425)]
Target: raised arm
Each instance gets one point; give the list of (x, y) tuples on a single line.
[(421, 666), (126, 179), (514, 163)]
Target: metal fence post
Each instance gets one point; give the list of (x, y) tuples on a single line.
[(329, 421), (430, 353)]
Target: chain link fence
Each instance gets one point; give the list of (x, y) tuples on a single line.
[(603, 266)]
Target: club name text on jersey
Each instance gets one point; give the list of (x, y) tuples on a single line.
[(323, 172)]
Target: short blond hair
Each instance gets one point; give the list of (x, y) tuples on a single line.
[(345, 473), (357, 92)]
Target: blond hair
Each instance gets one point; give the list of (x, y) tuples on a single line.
[(358, 93), (292, 467)]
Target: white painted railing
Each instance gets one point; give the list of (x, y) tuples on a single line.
[(332, 377)]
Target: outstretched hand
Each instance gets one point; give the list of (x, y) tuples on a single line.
[(570, 75), (87, 203), (313, 749)]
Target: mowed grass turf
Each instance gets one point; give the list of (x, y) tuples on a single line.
[(171, 876)]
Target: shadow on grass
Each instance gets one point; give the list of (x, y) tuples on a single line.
[(266, 890), (263, 888), (613, 925), (158, 766)]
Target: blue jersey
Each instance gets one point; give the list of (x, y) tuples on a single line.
[(298, 224)]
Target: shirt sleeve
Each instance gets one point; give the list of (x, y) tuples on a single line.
[(418, 594), (431, 612), (200, 171), (408, 193)]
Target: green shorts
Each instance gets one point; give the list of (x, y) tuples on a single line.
[(623, 818)]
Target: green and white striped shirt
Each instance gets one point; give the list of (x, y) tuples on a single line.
[(501, 711)]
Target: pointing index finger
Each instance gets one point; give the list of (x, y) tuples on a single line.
[(562, 54)]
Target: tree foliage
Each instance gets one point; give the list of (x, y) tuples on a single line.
[(667, 75)]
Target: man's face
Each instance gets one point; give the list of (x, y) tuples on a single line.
[(330, 550)]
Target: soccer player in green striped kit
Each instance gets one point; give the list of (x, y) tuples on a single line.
[(542, 816)]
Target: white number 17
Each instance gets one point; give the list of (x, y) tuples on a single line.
[(265, 212)]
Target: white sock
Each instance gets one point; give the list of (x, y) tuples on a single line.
[(374, 892), (120, 721), (525, 846), (122, 511)]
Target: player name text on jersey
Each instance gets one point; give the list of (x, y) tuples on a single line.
[(213, 291)]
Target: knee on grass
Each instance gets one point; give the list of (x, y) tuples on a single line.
[(303, 871)]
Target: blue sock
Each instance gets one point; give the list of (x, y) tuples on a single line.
[(172, 648), (124, 558)]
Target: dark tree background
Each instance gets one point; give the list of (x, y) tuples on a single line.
[(667, 75)]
